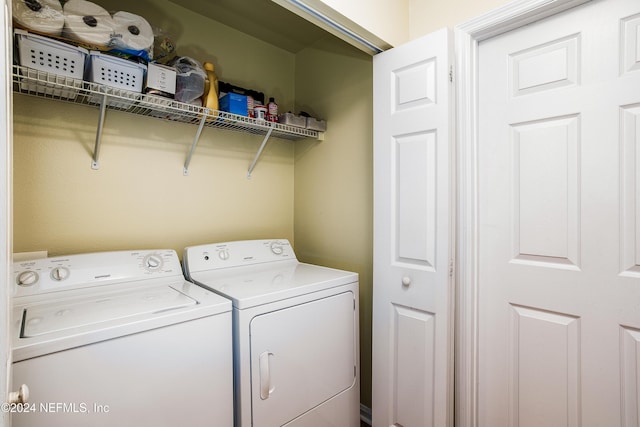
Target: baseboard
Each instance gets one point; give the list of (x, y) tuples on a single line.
[(365, 414)]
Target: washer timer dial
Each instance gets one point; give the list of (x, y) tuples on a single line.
[(276, 248), (59, 273), (153, 262)]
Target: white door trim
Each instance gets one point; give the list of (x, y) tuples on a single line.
[(6, 243), (467, 38)]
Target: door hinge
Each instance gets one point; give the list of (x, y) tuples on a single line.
[(450, 268), (451, 73)]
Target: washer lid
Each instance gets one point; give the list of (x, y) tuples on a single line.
[(265, 283), (46, 318)]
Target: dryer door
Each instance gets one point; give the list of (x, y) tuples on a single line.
[(301, 356)]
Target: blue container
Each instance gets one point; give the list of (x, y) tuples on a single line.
[(234, 103)]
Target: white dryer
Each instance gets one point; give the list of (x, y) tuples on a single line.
[(119, 339), (295, 325)]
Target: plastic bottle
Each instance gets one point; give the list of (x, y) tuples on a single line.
[(272, 110), (250, 104), (211, 95)]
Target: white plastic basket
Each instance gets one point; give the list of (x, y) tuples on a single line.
[(116, 72), (45, 54)]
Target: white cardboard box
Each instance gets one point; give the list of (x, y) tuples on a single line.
[(161, 77)]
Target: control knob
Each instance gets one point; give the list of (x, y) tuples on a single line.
[(59, 273), (153, 262), (27, 278), (277, 248)]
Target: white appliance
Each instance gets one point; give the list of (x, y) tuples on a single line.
[(119, 339), (295, 328)]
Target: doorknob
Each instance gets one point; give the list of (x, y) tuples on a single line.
[(20, 396), (406, 281)]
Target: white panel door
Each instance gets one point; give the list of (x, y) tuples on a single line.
[(412, 289), (559, 208)]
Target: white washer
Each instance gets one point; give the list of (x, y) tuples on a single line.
[(296, 349), (119, 339)]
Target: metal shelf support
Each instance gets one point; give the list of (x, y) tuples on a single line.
[(185, 170), (255, 159), (95, 163)]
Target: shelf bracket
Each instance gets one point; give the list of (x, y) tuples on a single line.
[(95, 163), (185, 171), (255, 159)]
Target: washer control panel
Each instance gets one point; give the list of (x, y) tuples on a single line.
[(86, 270), (239, 253)]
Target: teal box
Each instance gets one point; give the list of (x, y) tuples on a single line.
[(234, 103)]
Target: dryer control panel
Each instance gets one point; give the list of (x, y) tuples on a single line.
[(64, 273), (236, 254)]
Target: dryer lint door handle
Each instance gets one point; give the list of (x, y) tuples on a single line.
[(265, 376)]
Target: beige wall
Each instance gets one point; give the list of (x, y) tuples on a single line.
[(333, 178), (386, 19), (139, 197), (397, 22), (426, 16)]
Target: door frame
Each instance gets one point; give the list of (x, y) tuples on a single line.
[(6, 243), (467, 38)]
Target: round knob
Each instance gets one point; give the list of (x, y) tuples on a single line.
[(153, 262), (59, 273), (20, 396), (277, 248), (406, 281), (27, 278), (223, 255)]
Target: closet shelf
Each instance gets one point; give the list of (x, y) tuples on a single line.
[(47, 85), (41, 84)]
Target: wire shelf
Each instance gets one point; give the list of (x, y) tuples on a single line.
[(42, 84)]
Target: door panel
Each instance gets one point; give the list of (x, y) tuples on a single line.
[(413, 376), (412, 327), (544, 355), (414, 174), (630, 191), (630, 349), (544, 67), (545, 173), (630, 53), (558, 207)]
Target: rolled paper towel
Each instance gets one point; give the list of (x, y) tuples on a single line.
[(132, 32), (87, 22), (43, 16)]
